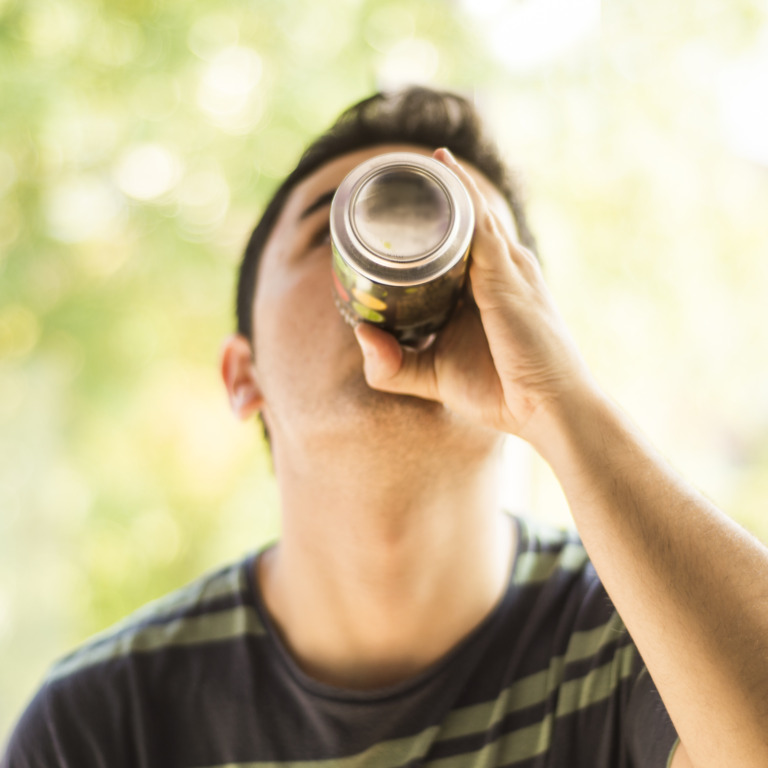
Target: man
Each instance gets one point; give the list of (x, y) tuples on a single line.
[(403, 619)]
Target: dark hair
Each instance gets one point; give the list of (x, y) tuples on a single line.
[(416, 115)]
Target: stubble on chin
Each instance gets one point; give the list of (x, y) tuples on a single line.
[(359, 393)]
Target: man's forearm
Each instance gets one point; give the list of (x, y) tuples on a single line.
[(690, 584)]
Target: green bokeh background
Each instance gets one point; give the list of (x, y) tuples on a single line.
[(138, 144)]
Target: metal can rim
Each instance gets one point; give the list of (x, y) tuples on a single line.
[(432, 265)]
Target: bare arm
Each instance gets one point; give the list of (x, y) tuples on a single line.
[(690, 584)]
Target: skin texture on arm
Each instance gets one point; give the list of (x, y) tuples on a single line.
[(690, 584)]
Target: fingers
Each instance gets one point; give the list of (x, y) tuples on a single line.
[(392, 368), (486, 226), (494, 245)]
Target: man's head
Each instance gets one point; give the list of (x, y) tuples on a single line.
[(417, 118)]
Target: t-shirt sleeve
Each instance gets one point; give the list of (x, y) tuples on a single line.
[(74, 722), (651, 737), (31, 743)]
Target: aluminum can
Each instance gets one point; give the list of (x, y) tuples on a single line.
[(401, 227)]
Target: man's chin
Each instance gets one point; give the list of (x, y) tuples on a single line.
[(362, 396)]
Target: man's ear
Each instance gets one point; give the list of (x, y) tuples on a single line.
[(239, 374)]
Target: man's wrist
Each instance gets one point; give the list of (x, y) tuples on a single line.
[(567, 429)]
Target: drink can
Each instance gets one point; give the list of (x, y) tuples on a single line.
[(401, 228)]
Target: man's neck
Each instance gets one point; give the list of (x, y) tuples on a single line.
[(377, 575)]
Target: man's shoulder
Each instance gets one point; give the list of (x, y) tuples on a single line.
[(101, 699), (213, 607)]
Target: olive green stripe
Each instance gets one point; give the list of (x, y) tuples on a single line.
[(213, 627), (545, 535), (106, 644), (521, 744), (525, 743), (535, 567), (535, 688), (229, 582), (672, 751), (518, 745), (385, 754), (597, 685)]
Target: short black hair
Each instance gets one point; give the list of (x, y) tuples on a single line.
[(415, 115)]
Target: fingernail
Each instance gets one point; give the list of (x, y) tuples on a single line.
[(449, 155)]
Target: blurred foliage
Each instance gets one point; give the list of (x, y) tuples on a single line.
[(140, 140)]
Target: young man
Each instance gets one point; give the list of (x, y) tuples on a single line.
[(403, 619)]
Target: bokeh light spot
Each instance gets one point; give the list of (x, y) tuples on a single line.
[(531, 33), (743, 96), (53, 27), (229, 80), (147, 171), (81, 209), (409, 61)]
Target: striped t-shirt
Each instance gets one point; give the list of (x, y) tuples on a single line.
[(201, 679)]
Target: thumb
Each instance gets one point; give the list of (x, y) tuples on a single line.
[(391, 368)]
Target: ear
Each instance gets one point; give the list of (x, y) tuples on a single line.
[(239, 374)]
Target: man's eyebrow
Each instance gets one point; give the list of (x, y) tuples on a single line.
[(324, 199)]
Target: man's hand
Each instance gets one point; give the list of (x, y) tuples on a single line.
[(506, 352)]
